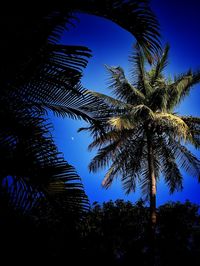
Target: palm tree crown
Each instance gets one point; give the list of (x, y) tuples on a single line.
[(143, 136)]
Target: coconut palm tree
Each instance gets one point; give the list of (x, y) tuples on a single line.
[(142, 137)]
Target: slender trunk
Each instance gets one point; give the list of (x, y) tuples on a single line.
[(152, 178)]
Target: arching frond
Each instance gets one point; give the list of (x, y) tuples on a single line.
[(112, 102), (138, 20), (181, 87)]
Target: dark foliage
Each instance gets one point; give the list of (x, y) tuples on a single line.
[(118, 233), (38, 75)]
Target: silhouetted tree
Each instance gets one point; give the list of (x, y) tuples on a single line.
[(143, 138)]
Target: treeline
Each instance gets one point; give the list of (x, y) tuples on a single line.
[(115, 233)]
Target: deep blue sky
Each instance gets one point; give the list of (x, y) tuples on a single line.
[(111, 45)]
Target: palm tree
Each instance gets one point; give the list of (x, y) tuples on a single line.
[(37, 75), (141, 136)]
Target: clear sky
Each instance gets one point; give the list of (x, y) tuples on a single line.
[(111, 45)]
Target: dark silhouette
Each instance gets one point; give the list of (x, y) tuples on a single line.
[(38, 75)]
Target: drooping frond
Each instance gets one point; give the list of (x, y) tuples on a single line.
[(133, 165), (110, 175), (112, 135), (32, 164), (104, 155), (126, 165), (169, 166), (185, 159), (138, 20), (172, 124)]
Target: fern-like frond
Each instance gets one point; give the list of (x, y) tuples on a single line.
[(160, 65), (178, 90), (138, 72), (185, 159), (138, 20), (169, 166), (122, 88)]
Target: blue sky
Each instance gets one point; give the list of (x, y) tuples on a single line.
[(111, 45)]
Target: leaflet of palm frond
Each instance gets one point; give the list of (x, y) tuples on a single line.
[(20, 194), (104, 139)]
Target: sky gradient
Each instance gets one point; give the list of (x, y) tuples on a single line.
[(111, 45)]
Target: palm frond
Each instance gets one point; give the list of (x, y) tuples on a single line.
[(185, 159), (110, 175), (161, 63), (104, 155), (139, 20), (169, 166), (138, 73), (172, 124), (181, 87), (193, 124), (122, 88)]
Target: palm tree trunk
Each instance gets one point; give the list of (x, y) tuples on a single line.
[(152, 178)]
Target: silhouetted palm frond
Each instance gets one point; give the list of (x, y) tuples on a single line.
[(38, 74)]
